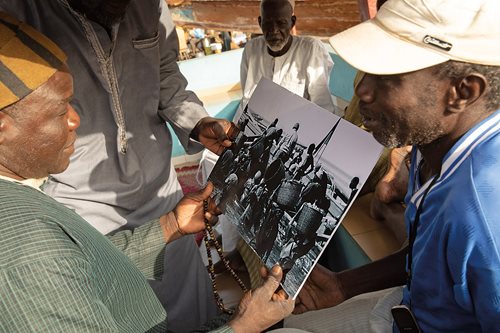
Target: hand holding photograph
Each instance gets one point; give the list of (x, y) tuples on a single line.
[(290, 177)]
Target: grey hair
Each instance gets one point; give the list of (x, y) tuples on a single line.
[(456, 69)]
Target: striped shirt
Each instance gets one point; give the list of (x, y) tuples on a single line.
[(59, 274), (455, 284)]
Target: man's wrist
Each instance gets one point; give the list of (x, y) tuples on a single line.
[(169, 227), (344, 294), (195, 132), (238, 326)]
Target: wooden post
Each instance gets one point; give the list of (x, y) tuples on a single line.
[(367, 9)]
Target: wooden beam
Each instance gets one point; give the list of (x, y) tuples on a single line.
[(314, 17)]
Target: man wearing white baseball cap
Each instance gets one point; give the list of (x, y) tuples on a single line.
[(433, 81)]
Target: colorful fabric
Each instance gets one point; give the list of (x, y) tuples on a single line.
[(456, 255), (27, 60)]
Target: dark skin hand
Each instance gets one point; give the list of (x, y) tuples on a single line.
[(324, 289), (190, 214), (321, 290), (263, 306), (214, 133)]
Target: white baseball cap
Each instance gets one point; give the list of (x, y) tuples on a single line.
[(408, 35)]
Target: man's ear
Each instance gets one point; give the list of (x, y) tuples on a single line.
[(294, 20), (259, 19), (4, 125), (466, 91), (7, 126)]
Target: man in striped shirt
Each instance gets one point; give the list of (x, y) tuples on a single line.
[(432, 81)]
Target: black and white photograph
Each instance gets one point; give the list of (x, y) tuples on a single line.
[(290, 177)]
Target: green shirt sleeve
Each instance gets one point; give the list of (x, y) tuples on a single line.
[(144, 246), (223, 329), (52, 295)]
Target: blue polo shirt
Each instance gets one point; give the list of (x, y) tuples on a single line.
[(456, 255)]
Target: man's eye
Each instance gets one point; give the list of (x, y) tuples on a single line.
[(277, 23), (63, 113)]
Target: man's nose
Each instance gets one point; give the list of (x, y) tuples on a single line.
[(364, 89), (73, 118), (274, 28)]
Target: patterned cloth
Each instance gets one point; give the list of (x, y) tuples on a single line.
[(59, 274), (27, 60), (455, 285)]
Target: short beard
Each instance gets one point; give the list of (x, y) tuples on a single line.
[(106, 20), (105, 12), (391, 139), (278, 47)]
